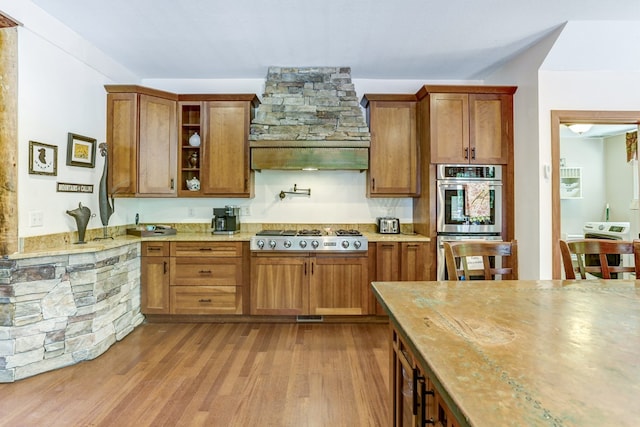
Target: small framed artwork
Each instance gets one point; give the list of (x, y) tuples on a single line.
[(43, 159), (81, 151)]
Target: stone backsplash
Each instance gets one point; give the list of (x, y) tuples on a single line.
[(59, 310)]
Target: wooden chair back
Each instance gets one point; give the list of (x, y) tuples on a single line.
[(599, 257), (498, 259)]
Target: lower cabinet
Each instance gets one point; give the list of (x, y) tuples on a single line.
[(399, 261), (193, 277), (154, 278), (305, 284), (206, 278), (416, 402)]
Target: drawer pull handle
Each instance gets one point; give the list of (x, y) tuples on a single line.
[(154, 249), (204, 300), (206, 249), (204, 271)]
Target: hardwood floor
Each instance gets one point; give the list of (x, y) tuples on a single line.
[(207, 374)]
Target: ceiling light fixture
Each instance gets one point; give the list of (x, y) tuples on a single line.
[(579, 128)]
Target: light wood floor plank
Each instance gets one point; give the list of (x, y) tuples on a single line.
[(203, 374)]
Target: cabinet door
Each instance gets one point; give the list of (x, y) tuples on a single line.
[(338, 285), (225, 149), (158, 149), (489, 128), (414, 264), (154, 283), (393, 155), (449, 123), (122, 127), (279, 285), (387, 267)]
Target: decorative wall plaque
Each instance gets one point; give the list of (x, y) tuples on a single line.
[(64, 187)]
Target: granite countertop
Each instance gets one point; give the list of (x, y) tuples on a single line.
[(197, 236), (525, 353)]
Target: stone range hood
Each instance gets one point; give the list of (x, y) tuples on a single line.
[(309, 118)]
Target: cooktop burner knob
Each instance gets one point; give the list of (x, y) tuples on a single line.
[(303, 243), (315, 244), (345, 244), (287, 243), (357, 244), (272, 243), (261, 243)]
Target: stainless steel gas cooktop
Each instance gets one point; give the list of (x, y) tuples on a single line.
[(309, 241)]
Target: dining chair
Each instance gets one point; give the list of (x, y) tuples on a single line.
[(481, 259), (599, 257)]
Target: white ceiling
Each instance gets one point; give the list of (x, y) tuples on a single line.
[(378, 39)]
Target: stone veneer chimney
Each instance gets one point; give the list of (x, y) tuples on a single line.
[(305, 110)]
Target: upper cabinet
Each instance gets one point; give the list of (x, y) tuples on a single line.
[(393, 154), (141, 141), (219, 158), (468, 124), (162, 144)]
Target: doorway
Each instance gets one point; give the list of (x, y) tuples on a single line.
[(561, 117)]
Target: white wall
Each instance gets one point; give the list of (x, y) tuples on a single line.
[(60, 90), (592, 66), (589, 154)]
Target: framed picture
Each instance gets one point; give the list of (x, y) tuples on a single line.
[(81, 151), (43, 159)]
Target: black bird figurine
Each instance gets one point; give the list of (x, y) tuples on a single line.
[(106, 208)]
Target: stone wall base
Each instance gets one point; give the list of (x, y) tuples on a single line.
[(60, 310)]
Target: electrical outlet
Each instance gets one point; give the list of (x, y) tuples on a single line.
[(191, 212), (245, 210), (36, 219)]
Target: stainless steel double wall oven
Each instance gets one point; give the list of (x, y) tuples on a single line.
[(468, 207)]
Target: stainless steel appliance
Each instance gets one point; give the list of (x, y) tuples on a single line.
[(226, 220), (458, 187), (609, 230), (388, 225), (453, 182), (309, 241)]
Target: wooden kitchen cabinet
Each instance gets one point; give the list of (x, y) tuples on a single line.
[(468, 124), (338, 285), (154, 278), (393, 153), (207, 277), (399, 261), (141, 142), (221, 163), (415, 400), (279, 284), (295, 284)]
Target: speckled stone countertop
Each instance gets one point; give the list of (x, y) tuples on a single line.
[(60, 244), (525, 353)]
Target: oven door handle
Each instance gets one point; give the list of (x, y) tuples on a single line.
[(461, 184)]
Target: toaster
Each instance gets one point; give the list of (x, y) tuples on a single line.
[(388, 225)]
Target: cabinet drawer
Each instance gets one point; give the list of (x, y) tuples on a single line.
[(154, 249), (206, 300), (204, 249), (206, 271)]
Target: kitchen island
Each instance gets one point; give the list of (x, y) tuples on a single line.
[(517, 353)]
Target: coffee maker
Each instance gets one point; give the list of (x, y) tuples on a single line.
[(226, 220)]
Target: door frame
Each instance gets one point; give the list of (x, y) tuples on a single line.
[(560, 117)]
